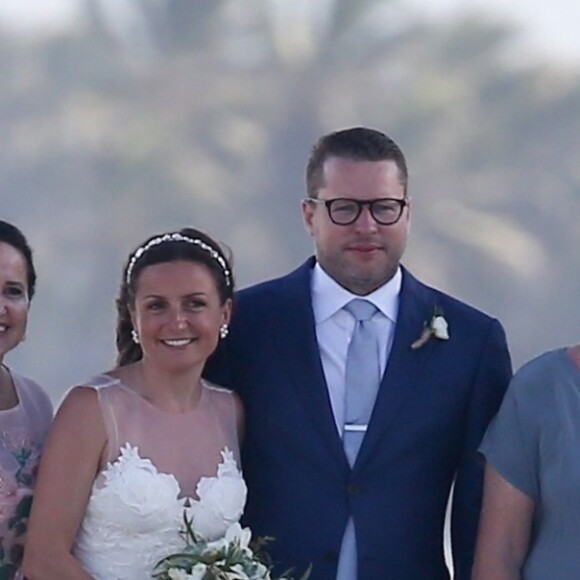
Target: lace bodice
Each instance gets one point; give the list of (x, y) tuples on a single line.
[(158, 464)]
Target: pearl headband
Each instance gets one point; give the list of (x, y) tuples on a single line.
[(177, 237)]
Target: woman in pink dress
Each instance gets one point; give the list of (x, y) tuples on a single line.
[(129, 447), (25, 410)]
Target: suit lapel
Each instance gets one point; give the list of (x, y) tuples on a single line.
[(296, 342), (405, 366)]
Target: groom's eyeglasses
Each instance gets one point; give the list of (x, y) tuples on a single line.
[(343, 211)]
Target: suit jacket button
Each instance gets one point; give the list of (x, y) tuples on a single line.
[(331, 556), (353, 489)]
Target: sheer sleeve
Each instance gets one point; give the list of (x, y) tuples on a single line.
[(106, 403)]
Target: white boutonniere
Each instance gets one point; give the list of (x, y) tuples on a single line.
[(436, 327)]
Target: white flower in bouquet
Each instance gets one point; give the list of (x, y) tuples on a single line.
[(197, 573), (241, 535)]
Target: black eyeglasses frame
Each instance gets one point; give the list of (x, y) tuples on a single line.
[(361, 203)]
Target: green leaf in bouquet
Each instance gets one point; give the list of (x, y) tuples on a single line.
[(288, 574)]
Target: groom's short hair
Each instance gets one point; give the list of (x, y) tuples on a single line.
[(357, 144)]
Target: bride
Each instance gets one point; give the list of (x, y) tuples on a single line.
[(128, 448)]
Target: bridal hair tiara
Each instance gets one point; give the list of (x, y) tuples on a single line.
[(177, 237)]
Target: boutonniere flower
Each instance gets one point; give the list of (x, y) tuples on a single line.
[(437, 327)]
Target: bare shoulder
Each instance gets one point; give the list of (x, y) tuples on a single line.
[(82, 401), (79, 417)]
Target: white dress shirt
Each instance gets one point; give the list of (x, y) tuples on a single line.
[(335, 327)]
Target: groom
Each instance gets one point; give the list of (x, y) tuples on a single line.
[(358, 425)]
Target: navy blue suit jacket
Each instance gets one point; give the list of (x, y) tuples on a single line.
[(432, 409)]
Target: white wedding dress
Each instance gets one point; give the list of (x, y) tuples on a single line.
[(158, 464)]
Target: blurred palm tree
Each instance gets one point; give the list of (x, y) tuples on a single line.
[(152, 115)]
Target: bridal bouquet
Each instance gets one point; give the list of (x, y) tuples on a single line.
[(229, 558), (216, 547)]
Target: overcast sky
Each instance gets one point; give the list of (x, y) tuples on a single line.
[(549, 28)]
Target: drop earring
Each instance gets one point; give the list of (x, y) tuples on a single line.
[(224, 330), (135, 336)]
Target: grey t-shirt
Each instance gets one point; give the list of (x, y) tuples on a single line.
[(534, 444)]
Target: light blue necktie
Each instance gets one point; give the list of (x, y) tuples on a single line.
[(362, 379), (362, 376)]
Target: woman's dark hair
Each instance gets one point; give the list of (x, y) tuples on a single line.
[(12, 236), (187, 244)]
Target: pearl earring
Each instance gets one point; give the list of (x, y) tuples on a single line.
[(224, 330), (135, 336)]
